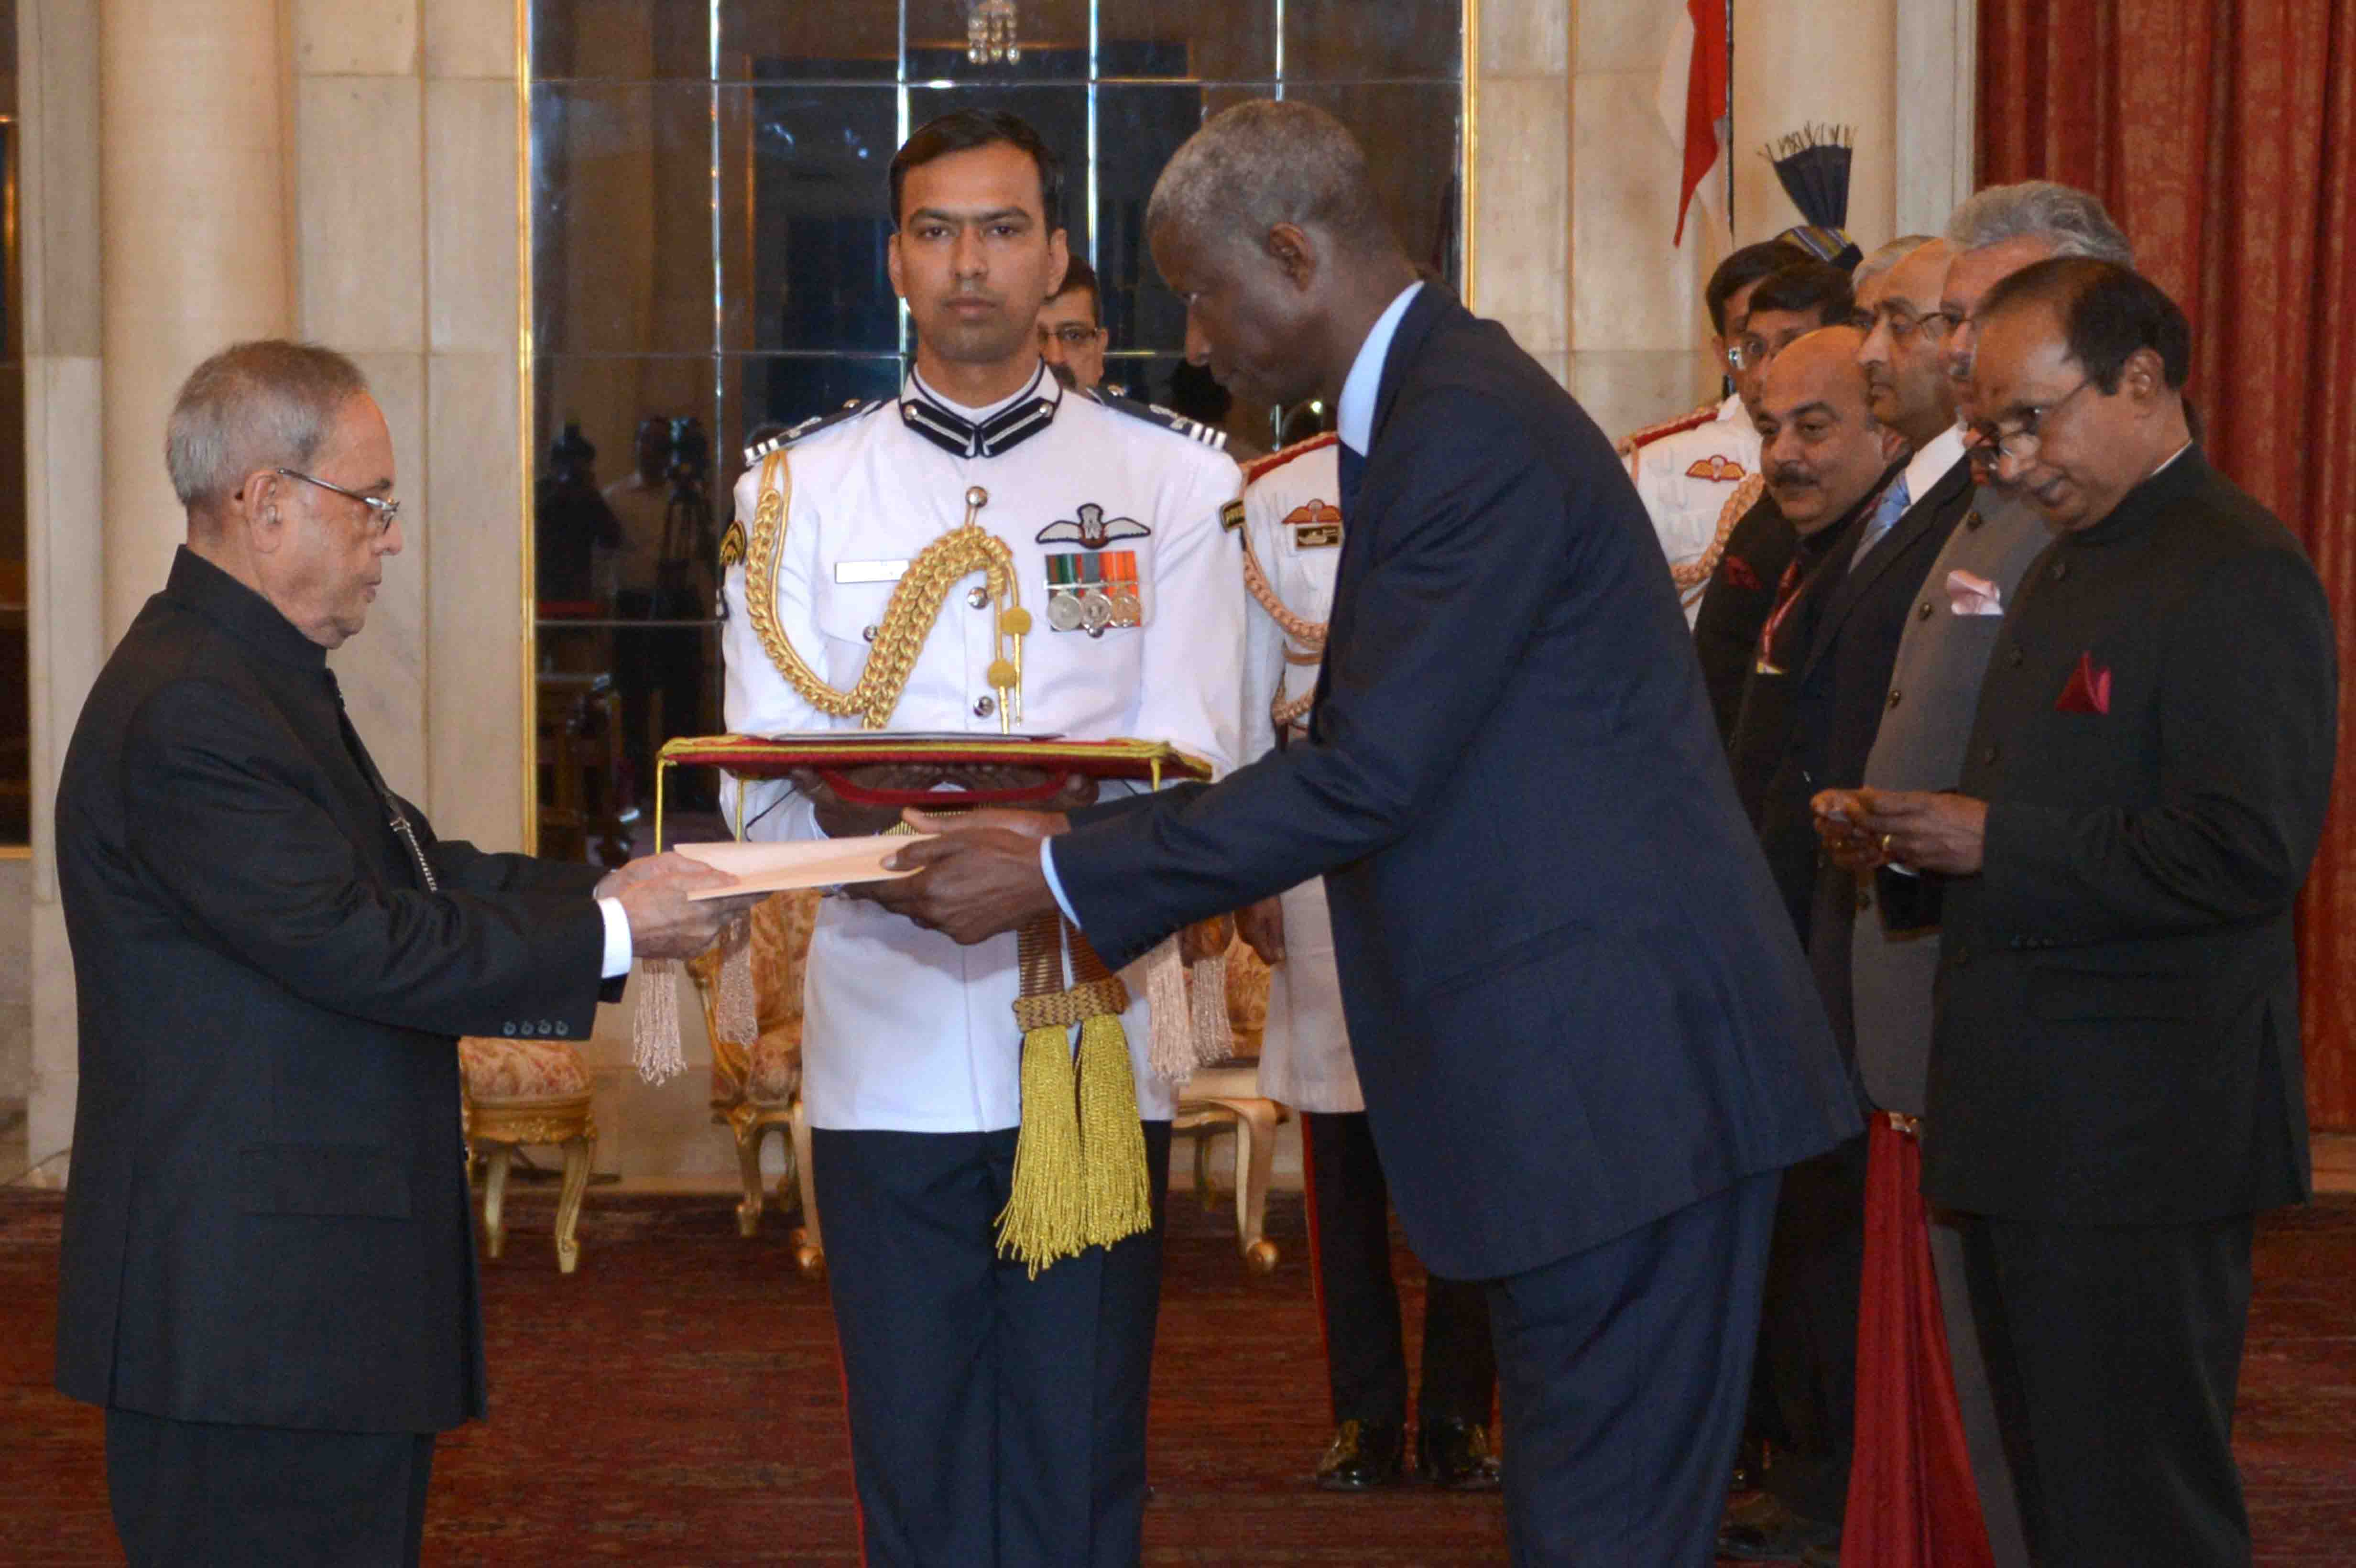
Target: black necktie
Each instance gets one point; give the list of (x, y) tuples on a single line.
[(397, 819)]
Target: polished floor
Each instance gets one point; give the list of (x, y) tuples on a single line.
[(677, 1401)]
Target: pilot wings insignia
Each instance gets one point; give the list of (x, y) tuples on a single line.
[(1091, 530)]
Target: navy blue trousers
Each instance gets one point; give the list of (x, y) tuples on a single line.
[(1622, 1372), (997, 1421), (195, 1494)]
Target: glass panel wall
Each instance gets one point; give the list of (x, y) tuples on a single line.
[(709, 222)]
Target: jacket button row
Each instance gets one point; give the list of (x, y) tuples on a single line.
[(978, 597), (983, 706), (1923, 611), (2016, 659), (869, 634), (2061, 570), (1893, 696), (508, 1030), (1988, 756)]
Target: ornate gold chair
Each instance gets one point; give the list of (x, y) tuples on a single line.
[(757, 1086), (527, 1092), (1226, 1098)]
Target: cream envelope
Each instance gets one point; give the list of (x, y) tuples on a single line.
[(765, 867)]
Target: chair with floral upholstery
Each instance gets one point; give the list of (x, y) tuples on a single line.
[(527, 1092), (1225, 1097), (757, 1086)]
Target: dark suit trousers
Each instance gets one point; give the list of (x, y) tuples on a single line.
[(1366, 1353), (189, 1494), (1622, 1369), (1806, 1368), (2114, 1352), (996, 1419)]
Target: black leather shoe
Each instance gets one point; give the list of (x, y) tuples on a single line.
[(1762, 1530), (1455, 1454), (1363, 1455)]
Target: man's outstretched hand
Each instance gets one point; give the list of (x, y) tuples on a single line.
[(979, 878)]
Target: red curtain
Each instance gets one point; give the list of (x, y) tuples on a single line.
[(2222, 134)]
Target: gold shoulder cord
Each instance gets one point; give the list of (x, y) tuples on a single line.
[(908, 616), (1309, 636)]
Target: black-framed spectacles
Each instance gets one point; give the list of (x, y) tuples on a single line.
[(382, 509), (1075, 334), (1933, 323), (2020, 442), (1749, 351)]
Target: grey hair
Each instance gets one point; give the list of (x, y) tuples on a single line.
[(265, 404), (1887, 257), (2073, 221), (1256, 165)]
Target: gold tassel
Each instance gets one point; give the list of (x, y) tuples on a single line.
[(1044, 1218), (1112, 1140), (654, 1031)]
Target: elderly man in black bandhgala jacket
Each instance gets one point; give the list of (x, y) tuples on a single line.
[(2114, 1076), (269, 1276)]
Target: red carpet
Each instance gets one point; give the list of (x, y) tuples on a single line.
[(675, 1402)]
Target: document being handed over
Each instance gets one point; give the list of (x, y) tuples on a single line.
[(775, 868)]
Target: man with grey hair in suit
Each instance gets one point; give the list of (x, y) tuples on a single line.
[(1927, 718)]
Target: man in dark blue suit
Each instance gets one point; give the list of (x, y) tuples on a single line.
[(1588, 1038)]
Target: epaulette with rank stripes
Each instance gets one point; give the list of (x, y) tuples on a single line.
[(809, 427), (1627, 444), (1260, 466), (1154, 413)]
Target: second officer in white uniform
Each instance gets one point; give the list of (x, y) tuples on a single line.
[(1292, 522), (997, 1417)]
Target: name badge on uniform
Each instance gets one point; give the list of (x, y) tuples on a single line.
[(1094, 593), (870, 571), (1316, 526)]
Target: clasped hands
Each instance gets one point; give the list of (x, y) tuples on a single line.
[(1861, 829)]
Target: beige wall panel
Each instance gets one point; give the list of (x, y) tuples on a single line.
[(1522, 222), (1624, 36), (1632, 291), (470, 37), (358, 38), (470, 202), (195, 239), (1798, 62), (1525, 38), (383, 670), (58, 89), (361, 205), (1628, 390), (475, 576)]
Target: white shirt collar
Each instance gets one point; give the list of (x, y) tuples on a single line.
[(2171, 459), (1354, 420), (1930, 463), (1731, 410)]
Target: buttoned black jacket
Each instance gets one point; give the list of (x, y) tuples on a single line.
[(266, 1223), (2117, 1024)]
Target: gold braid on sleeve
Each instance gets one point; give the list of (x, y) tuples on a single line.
[(908, 616)]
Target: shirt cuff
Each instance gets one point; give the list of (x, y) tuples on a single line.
[(1047, 866), (618, 950)]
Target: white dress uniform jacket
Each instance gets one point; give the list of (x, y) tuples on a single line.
[(905, 1031), (1293, 517), (1684, 477)]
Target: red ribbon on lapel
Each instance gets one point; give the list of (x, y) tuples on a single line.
[(2088, 689)]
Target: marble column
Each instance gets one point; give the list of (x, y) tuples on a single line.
[(1800, 62), (193, 217)]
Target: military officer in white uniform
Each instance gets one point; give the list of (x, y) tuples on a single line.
[(997, 1417), (1688, 469), (1294, 525)]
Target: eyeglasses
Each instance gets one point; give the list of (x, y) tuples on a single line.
[(1749, 351), (1073, 335), (2020, 442), (1933, 323), (382, 509)]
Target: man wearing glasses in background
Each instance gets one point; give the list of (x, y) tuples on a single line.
[(1072, 337), (2115, 1080)]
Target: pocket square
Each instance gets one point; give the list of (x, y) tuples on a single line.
[(2088, 689), (1737, 571), (1970, 595)]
